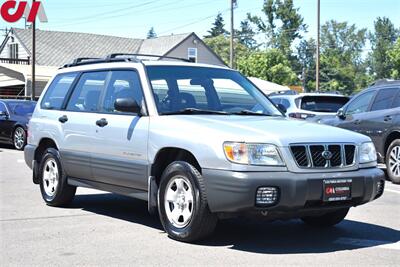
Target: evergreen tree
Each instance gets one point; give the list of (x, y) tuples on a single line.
[(245, 35), (218, 27), (382, 40), (151, 33)]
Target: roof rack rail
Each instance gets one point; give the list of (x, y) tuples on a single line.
[(81, 59), (88, 61), (383, 81), (124, 55)]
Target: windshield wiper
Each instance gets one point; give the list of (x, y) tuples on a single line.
[(194, 111), (249, 112)]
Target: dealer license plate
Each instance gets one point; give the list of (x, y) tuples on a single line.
[(337, 190)]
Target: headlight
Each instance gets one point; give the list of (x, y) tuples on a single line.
[(367, 153), (253, 154)]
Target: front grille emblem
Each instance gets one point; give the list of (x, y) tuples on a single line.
[(327, 155)]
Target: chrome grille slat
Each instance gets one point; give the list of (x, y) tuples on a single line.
[(309, 156)]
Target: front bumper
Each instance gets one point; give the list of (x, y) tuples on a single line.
[(234, 192)]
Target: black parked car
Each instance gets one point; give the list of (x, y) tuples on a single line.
[(14, 118), (376, 112)]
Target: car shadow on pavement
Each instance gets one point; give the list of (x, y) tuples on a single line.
[(294, 237), (252, 235), (118, 207)]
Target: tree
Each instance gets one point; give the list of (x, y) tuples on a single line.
[(218, 27), (271, 65), (394, 57), (307, 60), (342, 65), (245, 35), (283, 24), (221, 46), (151, 34), (382, 40)]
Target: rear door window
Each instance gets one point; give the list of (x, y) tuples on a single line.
[(384, 99), (87, 92), (57, 91)]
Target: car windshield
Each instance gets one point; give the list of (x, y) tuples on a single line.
[(22, 108), (323, 103), (201, 90)]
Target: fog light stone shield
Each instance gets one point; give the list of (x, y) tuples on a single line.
[(267, 196)]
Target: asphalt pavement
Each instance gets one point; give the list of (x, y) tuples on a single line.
[(103, 229)]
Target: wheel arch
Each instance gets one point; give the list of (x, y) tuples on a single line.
[(167, 155), (389, 139)]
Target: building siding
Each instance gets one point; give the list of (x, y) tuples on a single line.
[(22, 53), (204, 55)]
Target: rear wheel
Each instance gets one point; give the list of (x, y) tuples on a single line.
[(328, 219), (53, 181), (393, 161), (19, 138), (182, 203)]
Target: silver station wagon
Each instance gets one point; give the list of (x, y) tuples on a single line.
[(198, 142)]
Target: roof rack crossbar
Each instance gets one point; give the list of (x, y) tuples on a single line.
[(116, 55)]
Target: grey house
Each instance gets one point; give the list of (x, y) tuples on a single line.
[(55, 49)]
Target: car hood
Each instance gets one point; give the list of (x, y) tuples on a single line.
[(277, 130)]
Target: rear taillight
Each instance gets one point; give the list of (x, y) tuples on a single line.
[(301, 116)]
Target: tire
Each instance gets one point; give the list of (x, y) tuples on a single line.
[(393, 161), (53, 181), (19, 138), (328, 219), (184, 213)]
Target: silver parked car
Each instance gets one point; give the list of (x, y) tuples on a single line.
[(198, 142), (309, 105)]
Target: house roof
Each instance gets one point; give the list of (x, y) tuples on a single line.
[(56, 48)]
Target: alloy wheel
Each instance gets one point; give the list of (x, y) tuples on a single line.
[(394, 161), (19, 138)]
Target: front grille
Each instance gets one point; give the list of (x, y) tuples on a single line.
[(324, 155)]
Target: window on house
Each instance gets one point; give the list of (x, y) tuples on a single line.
[(13, 51), (192, 54)]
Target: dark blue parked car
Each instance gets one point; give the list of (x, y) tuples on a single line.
[(14, 118)]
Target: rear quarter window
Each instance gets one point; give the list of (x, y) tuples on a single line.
[(57, 91)]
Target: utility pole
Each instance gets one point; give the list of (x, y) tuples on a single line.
[(318, 46), (232, 52), (33, 58)]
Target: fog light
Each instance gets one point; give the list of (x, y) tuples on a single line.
[(380, 187), (267, 196)]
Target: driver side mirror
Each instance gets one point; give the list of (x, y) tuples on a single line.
[(282, 108), (128, 105), (4, 114), (341, 114)]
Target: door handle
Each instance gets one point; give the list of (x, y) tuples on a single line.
[(102, 122), (388, 118), (63, 119)]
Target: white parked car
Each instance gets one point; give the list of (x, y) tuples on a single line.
[(308, 105)]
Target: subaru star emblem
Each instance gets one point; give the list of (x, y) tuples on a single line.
[(327, 155)]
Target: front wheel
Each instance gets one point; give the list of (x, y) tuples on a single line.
[(393, 161), (19, 138), (182, 203), (53, 181), (328, 219)]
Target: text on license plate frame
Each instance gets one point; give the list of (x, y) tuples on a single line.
[(337, 189)]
